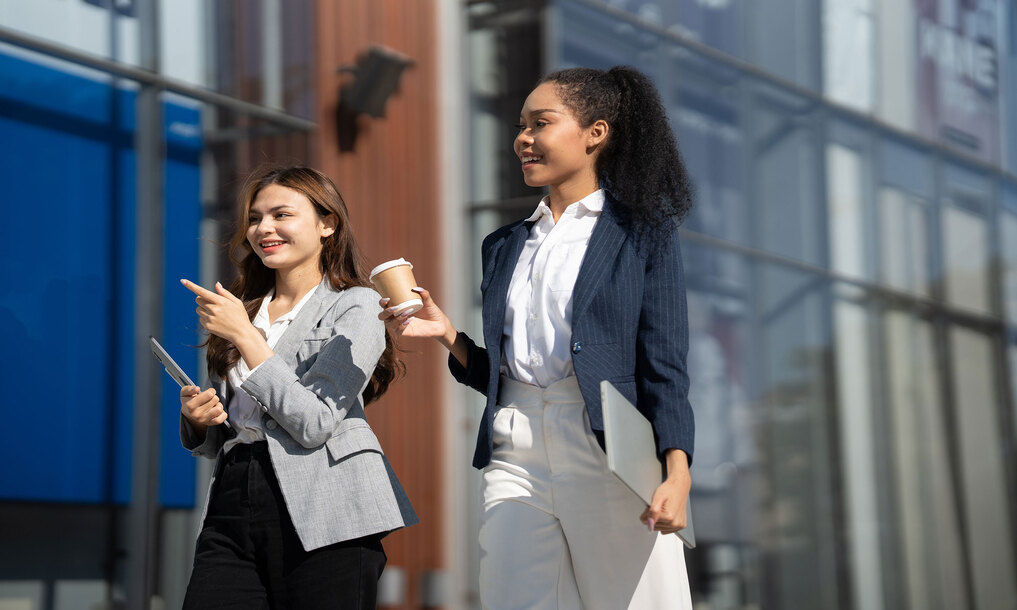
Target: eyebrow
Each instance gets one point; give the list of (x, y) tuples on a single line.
[(541, 111), (282, 206)]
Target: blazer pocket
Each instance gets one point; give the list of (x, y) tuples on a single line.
[(320, 333), (352, 441)]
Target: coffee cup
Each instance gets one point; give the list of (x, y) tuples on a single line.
[(394, 280)]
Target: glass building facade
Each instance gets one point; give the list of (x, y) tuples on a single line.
[(124, 125), (852, 275), (851, 266)]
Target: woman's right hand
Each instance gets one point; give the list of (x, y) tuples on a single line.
[(202, 409), (430, 321)]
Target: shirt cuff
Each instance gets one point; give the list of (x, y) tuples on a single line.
[(244, 376)]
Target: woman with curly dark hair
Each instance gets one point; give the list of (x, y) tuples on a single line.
[(589, 287), (302, 493)]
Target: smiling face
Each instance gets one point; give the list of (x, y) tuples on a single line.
[(554, 149), (286, 231)]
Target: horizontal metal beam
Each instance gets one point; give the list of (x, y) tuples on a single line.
[(159, 81)]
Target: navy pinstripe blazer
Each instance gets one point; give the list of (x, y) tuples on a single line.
[(629, 326)]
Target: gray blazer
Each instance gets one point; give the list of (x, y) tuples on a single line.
[(335, 479)]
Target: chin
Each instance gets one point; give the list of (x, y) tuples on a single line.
[(531, 181)]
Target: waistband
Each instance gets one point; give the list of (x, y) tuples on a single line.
[(245, 452), (565, 390)]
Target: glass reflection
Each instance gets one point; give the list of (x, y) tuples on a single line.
[(932, 567), (707, 118), (987, 515), (785, 177), (795, 505), (857, 426), (904, 222), (966, 257)]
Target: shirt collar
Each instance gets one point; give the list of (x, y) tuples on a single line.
[(261, 319), (591, 204)]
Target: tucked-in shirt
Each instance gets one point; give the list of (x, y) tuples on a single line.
[(538, 317), (245, 413)]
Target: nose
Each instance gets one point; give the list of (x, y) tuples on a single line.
[(263, 227), (523, 138)]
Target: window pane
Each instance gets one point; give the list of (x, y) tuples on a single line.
[(710, 132), (184, 57), (262, 53), (896, 74), (932, 565), (792, 55), (987, 509), (787, 165), (858, 455), (1012, 353), (907, 168), (966, 238), (725, 472), (717, 24), (965, 258), (795, 505), (847, 52), (84, 26), (903, 228), (1008, 245), (845, 188)]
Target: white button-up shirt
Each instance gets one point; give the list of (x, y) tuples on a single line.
[(538, 317), (245, 413)]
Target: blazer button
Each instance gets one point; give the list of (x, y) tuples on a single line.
[(271, 424), (577, 347)]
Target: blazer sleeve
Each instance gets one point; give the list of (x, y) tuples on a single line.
[(207, 448), (309, 407), (477, 371), (662, 344)]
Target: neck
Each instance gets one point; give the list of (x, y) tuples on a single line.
[(293, 284), (565, 194)]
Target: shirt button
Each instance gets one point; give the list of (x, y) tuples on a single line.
[(271, 424), (577, 347), (536, 275), (533, 317)]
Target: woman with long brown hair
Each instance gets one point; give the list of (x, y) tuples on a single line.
[(302, 493)]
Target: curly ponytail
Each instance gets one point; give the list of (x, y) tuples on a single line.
[(640, 164)]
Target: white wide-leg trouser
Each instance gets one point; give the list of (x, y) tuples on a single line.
[(559, 531)]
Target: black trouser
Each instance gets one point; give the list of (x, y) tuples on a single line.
[(249, 556)]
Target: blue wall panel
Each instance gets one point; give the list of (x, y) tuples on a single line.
[(66, 311)]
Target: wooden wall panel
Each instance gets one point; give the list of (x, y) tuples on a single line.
[(390, 181)]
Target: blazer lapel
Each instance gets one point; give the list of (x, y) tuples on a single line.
[(496, 296), (607, 239), (309, 315)]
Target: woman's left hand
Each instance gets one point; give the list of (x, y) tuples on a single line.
[(666, 513), (221, 313)]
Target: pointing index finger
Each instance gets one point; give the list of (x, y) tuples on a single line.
[(198, 290)]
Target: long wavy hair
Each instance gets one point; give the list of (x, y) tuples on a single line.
[(341, 262), (639, 164)]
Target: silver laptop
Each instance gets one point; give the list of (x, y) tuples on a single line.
[(632, 453)]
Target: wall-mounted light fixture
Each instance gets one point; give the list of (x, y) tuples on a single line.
[(375, 78)]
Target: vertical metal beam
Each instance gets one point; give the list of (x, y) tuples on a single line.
[(148, 298), (271, 54)]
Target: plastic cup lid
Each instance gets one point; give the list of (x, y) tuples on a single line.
[(413, 305), (389, 265)]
